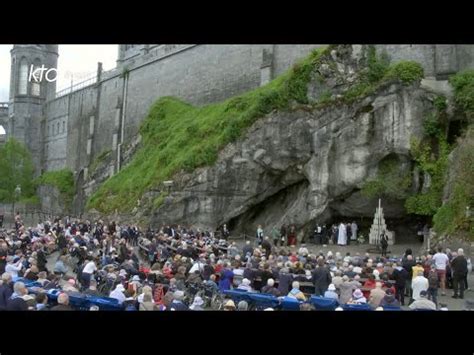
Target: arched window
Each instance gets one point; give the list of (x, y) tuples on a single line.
[(64, 126), (36, 85), (49, 132), (57, 130), (23, 77)]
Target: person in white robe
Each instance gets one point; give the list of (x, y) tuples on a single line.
[(342, 237)]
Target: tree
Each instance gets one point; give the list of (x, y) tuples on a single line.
[(16, 168)]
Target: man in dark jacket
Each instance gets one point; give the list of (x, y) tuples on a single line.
[(63, 303), (6, 290), (270, 288), (41, 258), (267, 246), (459, 267), (321, 278), (247, 249), (407, 264), (400, 275), (16, 302)]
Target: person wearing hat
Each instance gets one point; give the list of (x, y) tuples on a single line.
[(177, 304), (358, 297), (389, 299), (423, 303), (197, 304), (331, 293), (229, 306)]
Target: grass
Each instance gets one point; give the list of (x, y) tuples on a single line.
[(99, 160), (63, 180), (178, 137)]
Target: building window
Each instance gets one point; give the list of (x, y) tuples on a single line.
[(23, 77), (57, 130), (64, 126), (48, 131), (36, 86)]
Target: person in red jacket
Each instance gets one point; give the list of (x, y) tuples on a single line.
[(368, 286)]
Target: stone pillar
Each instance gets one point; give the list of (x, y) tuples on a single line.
[(266, 69)]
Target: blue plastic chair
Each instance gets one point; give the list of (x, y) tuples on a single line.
[(237, 295), (261, 301), (357, 307), (290, 304), (323, 303)]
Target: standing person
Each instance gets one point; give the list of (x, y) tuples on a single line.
[(342, 235), (459, 267), (259, 234), (334, 233), (400, 275), (321, 278), (267, 246), (283, 234), (225, 232), (419, 283), (292, 235), (276, 236), (441, 261), (354, 229), (89, 269), (433, 284), (348, 233), (384, 243), (408, 264)]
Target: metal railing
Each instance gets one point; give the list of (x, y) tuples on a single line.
[(3, 104), (78, 86)]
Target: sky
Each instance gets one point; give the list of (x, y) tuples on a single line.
[(76, 62)]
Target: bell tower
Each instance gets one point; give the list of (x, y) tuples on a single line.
[(32, 83)]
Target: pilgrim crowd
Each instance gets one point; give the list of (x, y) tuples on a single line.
[(178, 268)]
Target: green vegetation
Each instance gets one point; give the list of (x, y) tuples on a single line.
[(178, 137), (391, 181), (63, 180), (451, 217), (463, 84), (434, 164), (99, 160), (16, 168)]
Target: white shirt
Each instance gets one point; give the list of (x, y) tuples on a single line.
[(89, 268), (13, 269), (441, 260), (419, 283), (117, 294), (197, 266)]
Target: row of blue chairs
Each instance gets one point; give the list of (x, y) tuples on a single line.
[(261, 301), (77, 300)]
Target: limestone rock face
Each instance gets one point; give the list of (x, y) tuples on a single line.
[(302, 165)]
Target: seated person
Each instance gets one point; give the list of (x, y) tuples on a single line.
[(245, 286), (296, 293), (358, 297), (270, 288), (423, 303), (331, 293)]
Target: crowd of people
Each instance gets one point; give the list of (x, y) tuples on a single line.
[(167, 269)]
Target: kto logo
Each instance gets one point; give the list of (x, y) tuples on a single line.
[(37, 74)]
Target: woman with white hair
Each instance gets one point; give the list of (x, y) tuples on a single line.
[(245, 285), (296, 293)]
